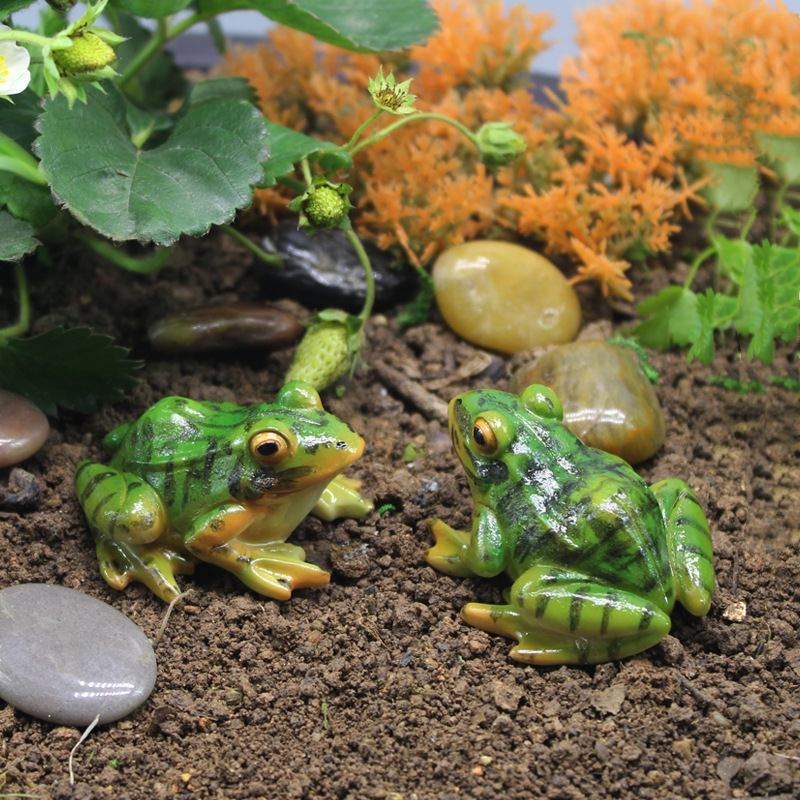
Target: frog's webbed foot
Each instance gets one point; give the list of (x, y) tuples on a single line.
[(448, 554), (152, 565), (279, 569), (689, 544), (341, 498), (560, 617)]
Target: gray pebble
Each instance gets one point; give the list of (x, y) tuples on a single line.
[(66, 657)]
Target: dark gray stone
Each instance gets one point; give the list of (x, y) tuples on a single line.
[(323, 271), (66, 657)]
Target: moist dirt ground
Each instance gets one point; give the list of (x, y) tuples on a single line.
[(373, 687)]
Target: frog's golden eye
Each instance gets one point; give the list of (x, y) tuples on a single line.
[(269, 447), (484, 437)]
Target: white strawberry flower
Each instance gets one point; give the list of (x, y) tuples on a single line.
[(14, 62)]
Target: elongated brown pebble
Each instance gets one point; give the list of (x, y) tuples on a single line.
[(23, 428), (225, 327), (504, 297), (608, 402)]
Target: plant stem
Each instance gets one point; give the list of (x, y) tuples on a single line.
[(142, 266), (24, 321), (271, 258), (361, 128), (369, 300), (160, 37), (384, 132), (697, 263), (28, 37)]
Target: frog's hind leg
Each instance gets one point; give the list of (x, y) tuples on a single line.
[(562, 617), (271, 568), (689, 544), (127, 518)]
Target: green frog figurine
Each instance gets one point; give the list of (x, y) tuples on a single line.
[(221, 483), (597, 558)]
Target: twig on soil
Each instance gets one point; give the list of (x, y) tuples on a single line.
[(429, 404), (80, 741), (164, 622)]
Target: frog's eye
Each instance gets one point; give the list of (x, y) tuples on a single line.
[(484, 437), (269, 447)]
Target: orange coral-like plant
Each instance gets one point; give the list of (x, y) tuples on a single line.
[(658, 88)]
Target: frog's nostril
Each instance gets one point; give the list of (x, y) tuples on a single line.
[(458, 401), (341, 445)]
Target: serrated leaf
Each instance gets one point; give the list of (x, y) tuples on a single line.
[(732, 256), (74, 369), (199, 176), (16, 238), (673, 319), (364, 25), (286, 148), (733, 188), (27, 201), (707, 310)]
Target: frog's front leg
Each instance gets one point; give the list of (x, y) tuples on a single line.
[(341, 498), (478, 552), (563, 617), (689, 545), (271, 568), (131, 530)]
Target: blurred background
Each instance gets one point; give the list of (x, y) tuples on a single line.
[(251, 24)]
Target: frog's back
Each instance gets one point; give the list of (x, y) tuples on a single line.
[(589, 511), (176, 431)]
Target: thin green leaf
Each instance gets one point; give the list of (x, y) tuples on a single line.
[(74, 369), (199, 176), (16, 238)]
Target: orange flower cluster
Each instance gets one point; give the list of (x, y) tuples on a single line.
[(605, 175)]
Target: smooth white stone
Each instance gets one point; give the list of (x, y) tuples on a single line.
[(66, 657)]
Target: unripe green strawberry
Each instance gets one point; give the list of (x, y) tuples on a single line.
[(89, 53), (325, 207), (324, 355)]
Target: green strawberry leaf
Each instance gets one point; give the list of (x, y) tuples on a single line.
[(286, 148), (363, 25), (74, 369), (16, 238), (198, 176), (27, 201)]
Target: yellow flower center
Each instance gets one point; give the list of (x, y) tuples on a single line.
[(4, 70), (389, 98)]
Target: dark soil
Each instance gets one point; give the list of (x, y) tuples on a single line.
[(372, 687)]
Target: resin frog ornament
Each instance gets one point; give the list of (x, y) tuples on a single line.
[(597, 558), (221, 483)]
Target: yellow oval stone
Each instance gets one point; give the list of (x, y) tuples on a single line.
[(504, 297)]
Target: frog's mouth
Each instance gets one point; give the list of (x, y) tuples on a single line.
[(459, 424)]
